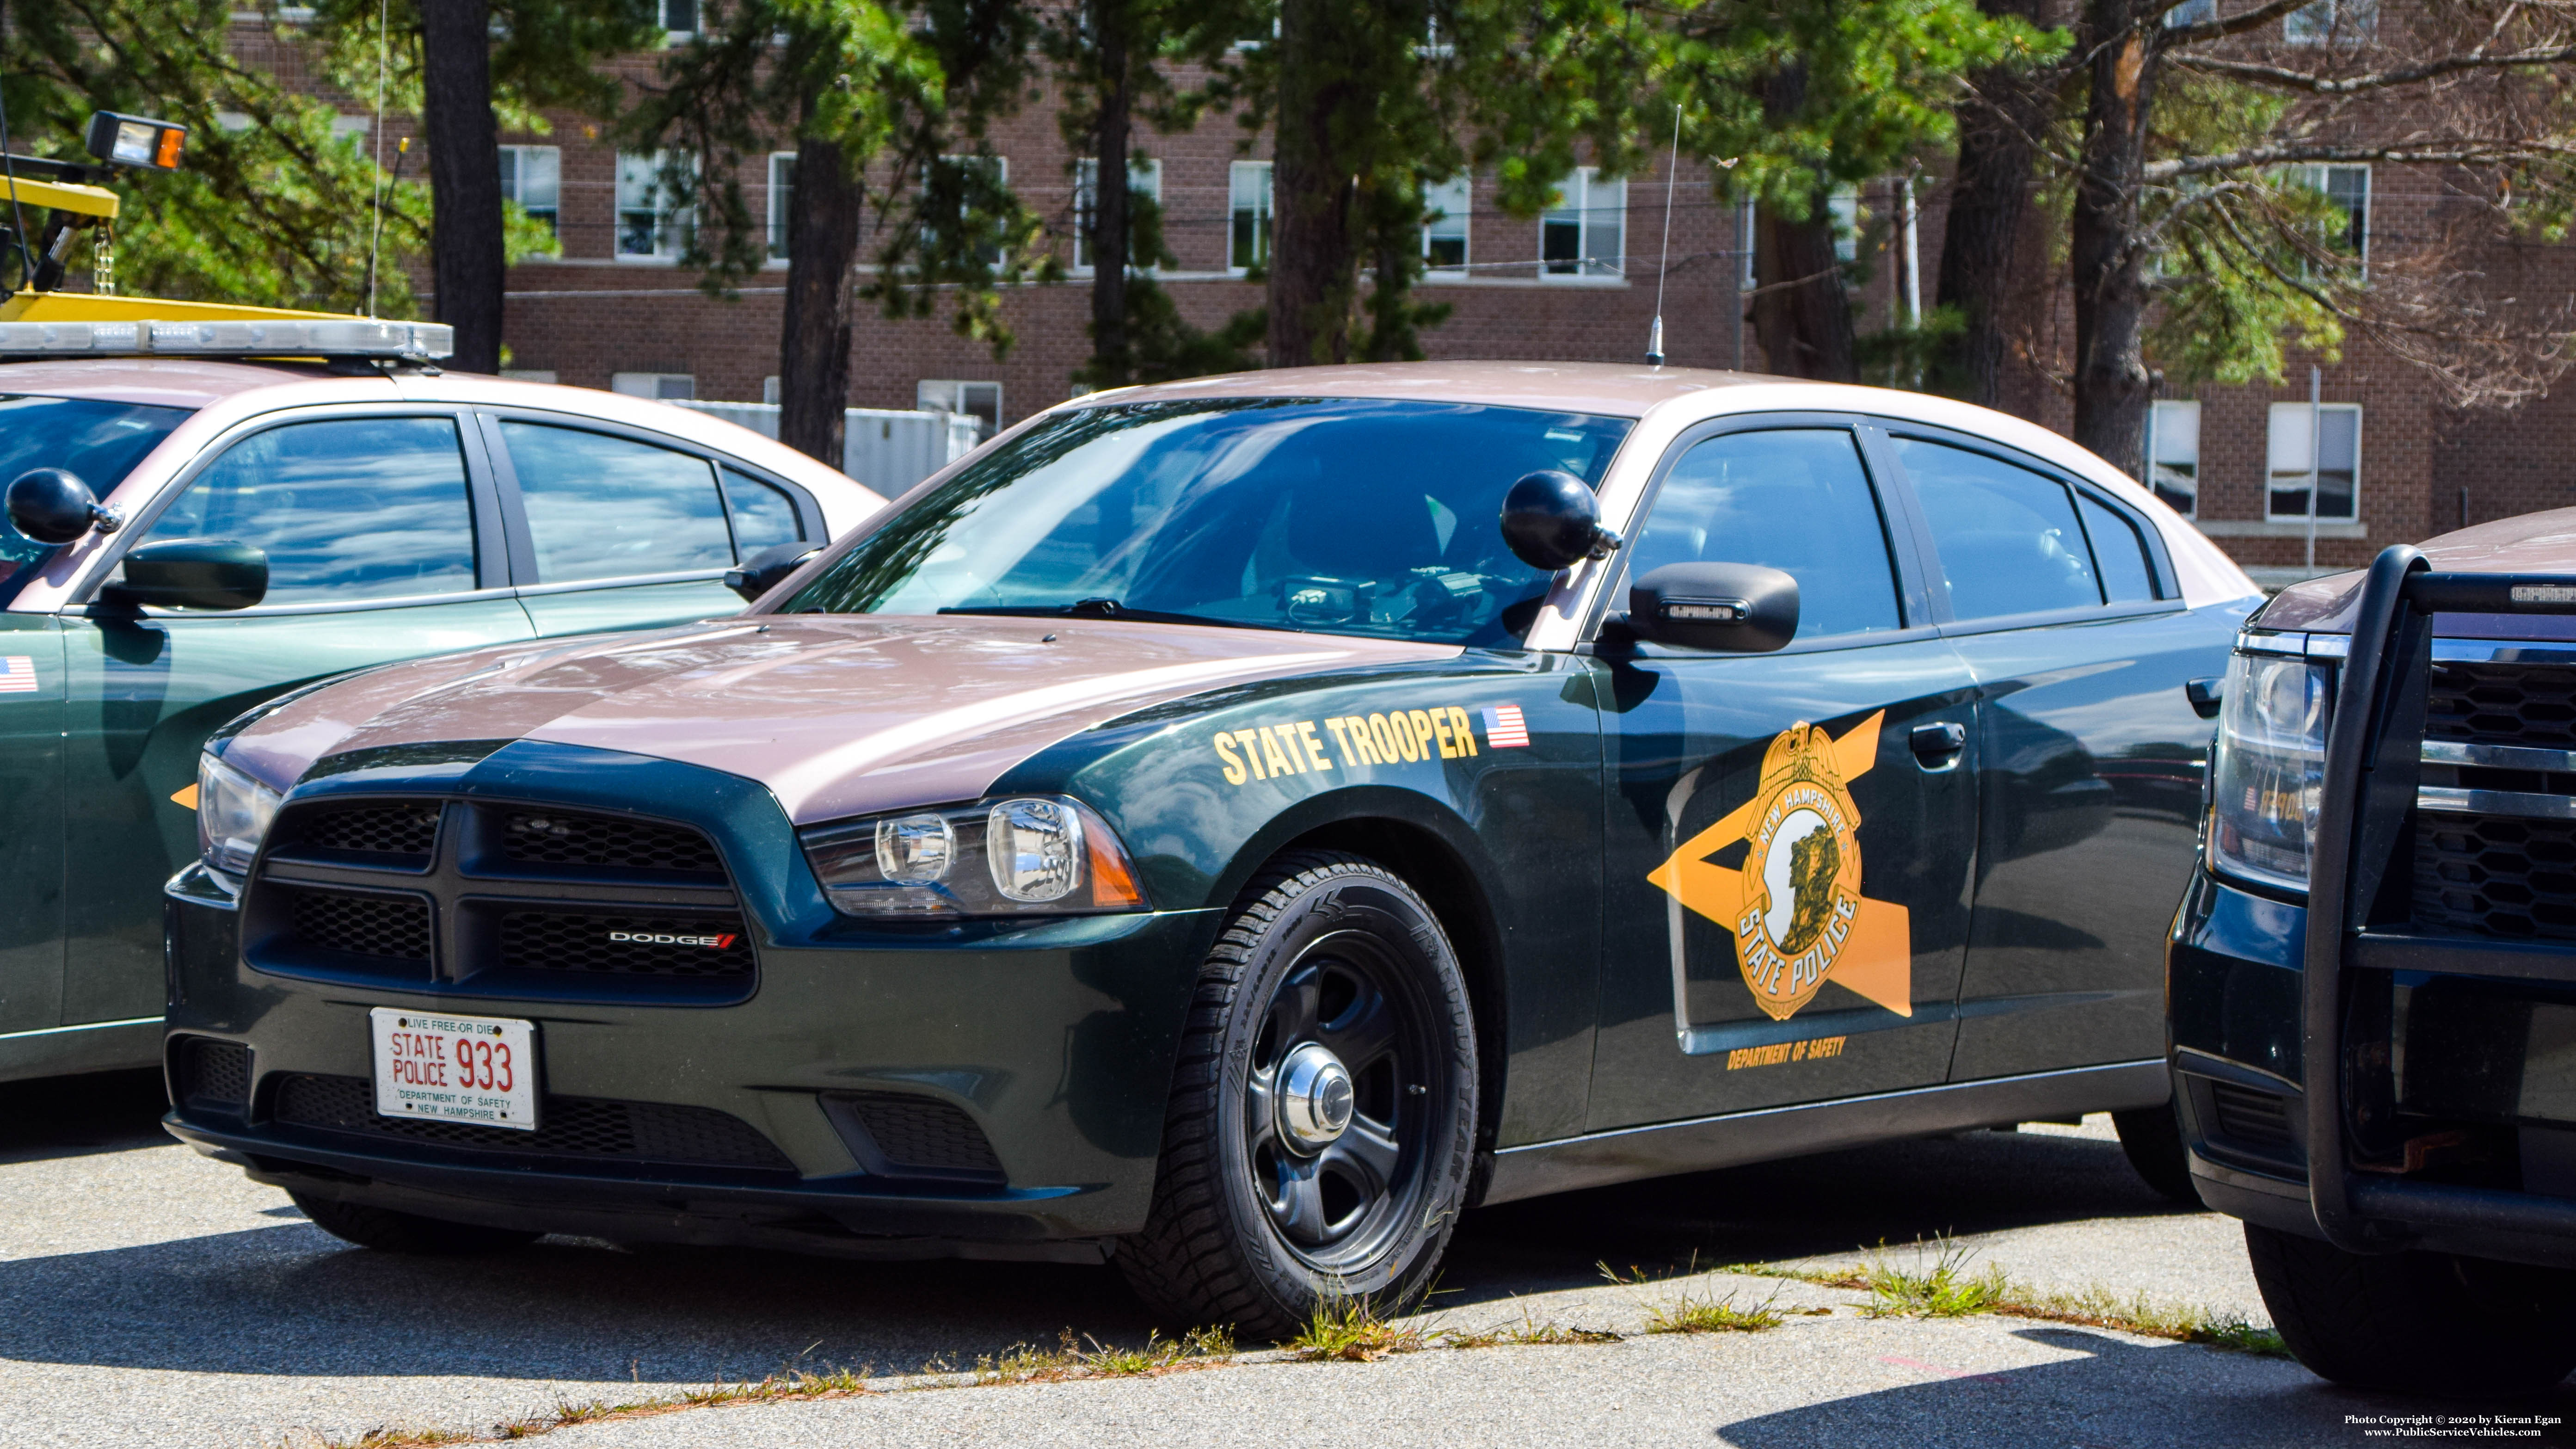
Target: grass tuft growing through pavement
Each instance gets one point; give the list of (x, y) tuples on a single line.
[(1528, 1331), (1070, 1359), (1948, 1289), (1348, 1326), (1672, 1307)]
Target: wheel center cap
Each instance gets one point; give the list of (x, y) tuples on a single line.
[(1315, 1098)]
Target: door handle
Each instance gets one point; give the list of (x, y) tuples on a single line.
[(1938, 746)]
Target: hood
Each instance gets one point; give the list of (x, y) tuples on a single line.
[(836, 715), (2534, 543)]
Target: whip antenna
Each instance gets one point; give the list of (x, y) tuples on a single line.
[(1672, 175), (376, 240)]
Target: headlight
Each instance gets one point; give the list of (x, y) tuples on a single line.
[(2268, 775), (1023, 856), (233, 811)]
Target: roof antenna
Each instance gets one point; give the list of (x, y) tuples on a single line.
[(375, 241), (1655, 338)]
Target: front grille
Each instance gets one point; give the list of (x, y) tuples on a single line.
[(687, 946), (2502, 704), (214, 1074), (607, 842), (2255, 1120), (568, 1127), (409, 828), (392, 927), (922, 1134), (2491, 875)]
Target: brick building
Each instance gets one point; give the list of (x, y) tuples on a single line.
[(2393, 462)]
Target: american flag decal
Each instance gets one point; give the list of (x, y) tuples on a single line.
[(17, 674), (1504, 727)]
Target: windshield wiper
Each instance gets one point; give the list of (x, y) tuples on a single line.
[(1107, 609)]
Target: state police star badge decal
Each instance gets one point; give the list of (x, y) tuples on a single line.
[(1795, 906)]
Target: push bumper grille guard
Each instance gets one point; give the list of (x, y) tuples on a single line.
[(2374, 750)]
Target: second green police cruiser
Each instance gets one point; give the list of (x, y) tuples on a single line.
[(1226, 828)]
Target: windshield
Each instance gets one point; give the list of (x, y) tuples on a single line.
[(1339, 516), (97, 442)]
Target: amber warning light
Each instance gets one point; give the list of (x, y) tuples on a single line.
[(136, 141)]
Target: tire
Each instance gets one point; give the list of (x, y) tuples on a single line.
[(2152, 1139), (2430, 1323), (397, 1232), (1254, 1226)]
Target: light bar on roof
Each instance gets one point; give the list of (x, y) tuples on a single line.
[(286, 337)]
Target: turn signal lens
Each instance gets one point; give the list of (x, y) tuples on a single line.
[(1040, 855)]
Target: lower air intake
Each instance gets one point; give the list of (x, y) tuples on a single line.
[(2256, 1121), (214, 1075), (916, 1135), (568, 1127)]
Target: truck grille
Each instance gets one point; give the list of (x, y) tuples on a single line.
[(2493, 875), (568, 1127), (711, 946), (2502, 704)]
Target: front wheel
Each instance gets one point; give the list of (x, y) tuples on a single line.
[(2433, 1323), (1322, 1118)]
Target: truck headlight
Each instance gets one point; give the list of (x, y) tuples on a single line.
[(233, 812), (1021, 856), (2267, 775)]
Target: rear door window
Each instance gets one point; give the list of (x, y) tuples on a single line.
[(2127, 577), (2008, 539), (602, 507), (346, 509)]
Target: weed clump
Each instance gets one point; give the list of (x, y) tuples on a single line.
[(1674, 1308)]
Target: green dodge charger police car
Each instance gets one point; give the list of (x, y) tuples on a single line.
[(1227, 827)]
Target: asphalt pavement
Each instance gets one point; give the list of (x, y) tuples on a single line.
[(151, 1297)]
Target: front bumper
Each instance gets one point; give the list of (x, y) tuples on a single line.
[(2234, 988), (1055, 1041)]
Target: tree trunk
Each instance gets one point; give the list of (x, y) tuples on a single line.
[(466, 256), (2112, 386), (1801, 311), (1111, 366), (1314, 256), (814, 335), (1999, 125)]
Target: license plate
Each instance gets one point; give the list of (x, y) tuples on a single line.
[(455, 1068)]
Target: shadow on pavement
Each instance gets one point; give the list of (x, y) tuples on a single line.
[(2099, 1401), (290, 1300), (70, 1116)]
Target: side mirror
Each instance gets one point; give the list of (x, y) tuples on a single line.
[(1739, 608), (49, 505), (764, 570), (1552, 521), (193, 573)]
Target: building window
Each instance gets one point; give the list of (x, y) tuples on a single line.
[(2331, 22), (1144, 179), (2347, 190), (533, 177), (664, 386), (782, 200), (1585, 233), (1444, 225), (2173, 455), (1248, 203), (981, 401), (2336, 435), (678, 17), (1843, 204), (652, 219)]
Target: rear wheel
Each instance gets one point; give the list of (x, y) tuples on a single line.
[(2433, 1323), (1322, 1118), (400, 1232), (2152, 1138)]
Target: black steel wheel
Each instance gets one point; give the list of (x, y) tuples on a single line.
[(2432, 1323), (1322, 1119)]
